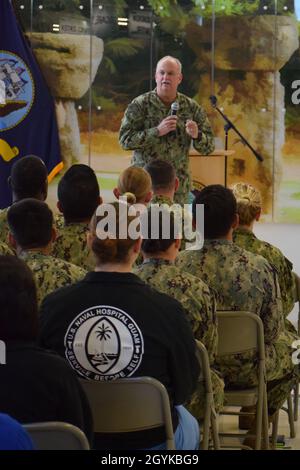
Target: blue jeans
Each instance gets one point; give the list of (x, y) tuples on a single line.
[(187, 435)]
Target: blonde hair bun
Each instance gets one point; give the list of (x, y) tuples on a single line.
[(248, 200), (131, 199), (134, 183)]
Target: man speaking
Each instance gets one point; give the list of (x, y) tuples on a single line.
[(162, 123)]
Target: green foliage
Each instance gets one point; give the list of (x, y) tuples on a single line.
[(107, 104), (162, 8), (119, 6), (63, 5), (292, 117), (166, 8), (289, 215), (295, 196), (176, 22), (116, 49), (123, 47), (109, 65), (232, 7)]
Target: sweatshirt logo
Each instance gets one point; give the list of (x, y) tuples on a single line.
[(104, 343)]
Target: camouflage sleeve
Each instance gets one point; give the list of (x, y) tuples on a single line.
[(133, 135), (287, 286), (205, 143), (207, 330), (271, 313), (201, 312), (5, 249)]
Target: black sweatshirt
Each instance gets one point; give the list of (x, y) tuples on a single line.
[(112, 325)]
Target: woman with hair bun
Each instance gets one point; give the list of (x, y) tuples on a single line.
[(249, 206), (135, 184), (111, 325)]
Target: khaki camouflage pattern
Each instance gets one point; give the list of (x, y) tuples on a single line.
[(71, 245), (196, 406), (5, 249), (200, 307), (244, 281), (188, 236), (138, 132), (4, 229), (191, 292), (50, 273), (247, 240), (59, 221)]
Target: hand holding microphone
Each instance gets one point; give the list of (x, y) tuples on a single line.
[(169, 124)]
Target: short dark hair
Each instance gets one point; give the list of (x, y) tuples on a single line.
[(162, 174), (159, 244), (18, 301), (29, 177), (30, 221), (219, 210), (78, 193)]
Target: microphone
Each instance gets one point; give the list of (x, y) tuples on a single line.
[(174, 109), (213, 100)]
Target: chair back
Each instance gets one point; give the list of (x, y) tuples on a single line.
[(239, 332), (128, 405), (203, 359), (54, 435), (209, 413)]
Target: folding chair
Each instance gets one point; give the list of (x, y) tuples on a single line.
[(54, 435), (239, 332), (292, 408), (128, 405), (210, 415)]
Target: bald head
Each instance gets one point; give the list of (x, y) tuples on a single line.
[(168, 76), (172, 59)]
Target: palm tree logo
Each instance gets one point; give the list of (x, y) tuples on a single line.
[(103, 345), (103, 333)]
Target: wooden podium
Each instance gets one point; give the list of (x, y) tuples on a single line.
[(209, 169)]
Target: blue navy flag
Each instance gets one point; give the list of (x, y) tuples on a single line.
[(27, 113)]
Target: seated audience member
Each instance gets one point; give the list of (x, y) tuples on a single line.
[(78, 197), (28, 179), (12, 435), (164, 181), (164, 186), (242, 281), (31, 235), (159, 271), (249, 206), (36, 385), (134, 183), (89, 322)]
